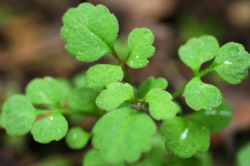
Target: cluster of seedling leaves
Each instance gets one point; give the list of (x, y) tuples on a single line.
[(128, 128)]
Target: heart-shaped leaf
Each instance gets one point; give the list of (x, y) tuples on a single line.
[(82, 99), (89, 31), (184, 138), (18, 115), (77, 138), (140, 47), (123, 134), (216, 119), (99, 76), (160, 105), (44, 91), (232, 63), (115, 94), (149, 84), (199, 95), (197, 51), (53, 127)]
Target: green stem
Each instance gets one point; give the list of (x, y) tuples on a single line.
[(179, 91), (201, 74), (124, 68)]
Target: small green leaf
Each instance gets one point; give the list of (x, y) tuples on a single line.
[(140, 47), (123, 134), (79, 80), (66, 86), (199, 95), (53, 127), (99, 76), (232, 63), (198, 50), (184, 138), (160, 105), (18, 115), (115, 94), (82, 99), (77, 138), (243, 156), (44, 91), (149, 84), (215, 119), (89, 31), (93, 158)]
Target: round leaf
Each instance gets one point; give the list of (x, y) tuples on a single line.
[(198, 50), (243, 156), (215, 119), (140, 47), (232, 63), (44, 91), (115, 94), (160, 105), (149, 84), (123, 134), (93, 158), (18, 115), (184, 138), (89, 31), (199, 95), (77, 138), (53, 127), (82, 99), (99, 76)]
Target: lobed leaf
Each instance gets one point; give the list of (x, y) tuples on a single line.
[(160, 105), (198, 50), (77, 138), (44, 91), (99, 76), (140, 47), (93, 158), (89, 31), (123, 134), (232, 63), (115, 94), (199, 95), (215, 119), (82, 99), (18, 115), (149, 84), (184, 138), (243, 156), (53, 127)]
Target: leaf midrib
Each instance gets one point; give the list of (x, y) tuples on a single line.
[(85, 27)]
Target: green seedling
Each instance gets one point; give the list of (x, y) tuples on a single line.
[(126, 132)]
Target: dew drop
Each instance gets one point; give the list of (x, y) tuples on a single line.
[(51, 118), (137, 56)]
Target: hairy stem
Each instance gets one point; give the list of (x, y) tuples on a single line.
[(124, 68)]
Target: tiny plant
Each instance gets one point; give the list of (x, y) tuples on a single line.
[(127, 134)]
